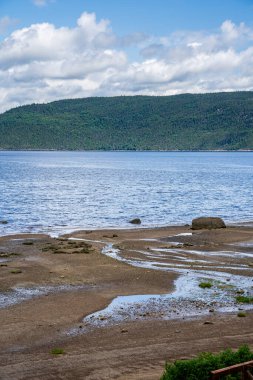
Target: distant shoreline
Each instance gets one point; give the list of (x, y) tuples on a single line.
[(132, 151), (186, 122)]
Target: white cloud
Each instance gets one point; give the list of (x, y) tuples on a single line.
[(42, 63), (194, 45)]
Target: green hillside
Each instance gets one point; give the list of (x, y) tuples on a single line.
[(184, 122)]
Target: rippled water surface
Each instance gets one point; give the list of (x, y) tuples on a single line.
[(62, 191)]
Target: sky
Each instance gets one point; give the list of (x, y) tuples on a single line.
[(58, 49)]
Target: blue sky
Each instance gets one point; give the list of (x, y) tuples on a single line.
[(148, 16), (54, 49)]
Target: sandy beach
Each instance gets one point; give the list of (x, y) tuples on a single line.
[(51, 287)]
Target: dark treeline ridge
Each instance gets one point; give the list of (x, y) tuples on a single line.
[(180, 122)]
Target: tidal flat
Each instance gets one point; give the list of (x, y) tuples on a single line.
[(119, 303)]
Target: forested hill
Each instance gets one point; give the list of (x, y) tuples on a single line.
[(183, 122)]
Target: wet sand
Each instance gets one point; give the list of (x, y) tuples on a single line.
[(76, 280)]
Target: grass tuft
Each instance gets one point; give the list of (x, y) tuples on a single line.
[(205, 285), (16, 271), (57, 351), (241, 314), (244, 299)]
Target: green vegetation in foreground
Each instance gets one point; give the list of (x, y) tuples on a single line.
[(205, 285), (200, 368), (180, 122), (244, 299)]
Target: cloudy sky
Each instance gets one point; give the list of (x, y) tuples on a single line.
[(56, 49)]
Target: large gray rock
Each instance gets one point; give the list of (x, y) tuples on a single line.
[(135, 221), (207, 222)]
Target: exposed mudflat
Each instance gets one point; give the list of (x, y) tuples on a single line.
[(121, 302)]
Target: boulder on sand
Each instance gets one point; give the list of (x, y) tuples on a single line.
[(135, 221), (207, 222)]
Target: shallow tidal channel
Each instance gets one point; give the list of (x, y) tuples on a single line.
[(188, 299)]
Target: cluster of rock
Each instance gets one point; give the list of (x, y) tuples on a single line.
[(204, 222)]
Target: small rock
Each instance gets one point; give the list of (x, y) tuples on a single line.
[(208, 323), (123, 331), (135, 221), (211, 311), (178, 331), (188, 245)]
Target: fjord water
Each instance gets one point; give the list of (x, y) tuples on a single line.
[(57, 192)]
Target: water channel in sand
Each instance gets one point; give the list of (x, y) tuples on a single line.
[(187, 299), (21, 294)]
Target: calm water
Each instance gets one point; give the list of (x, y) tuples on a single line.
[(57, 192)]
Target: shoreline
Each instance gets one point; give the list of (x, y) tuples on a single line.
[(31, 328), (128, 227), (129, 150)]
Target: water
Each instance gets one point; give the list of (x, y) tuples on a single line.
[(18, 295), (58, 192), (187, 299)]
